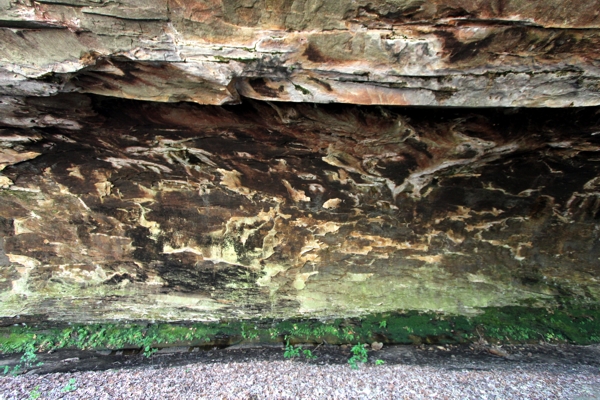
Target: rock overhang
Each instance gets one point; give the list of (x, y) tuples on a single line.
[(433, 53), (262, 201)]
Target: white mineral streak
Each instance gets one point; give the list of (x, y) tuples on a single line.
[(5, 182), (296, 195)]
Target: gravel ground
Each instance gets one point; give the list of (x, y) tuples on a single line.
[(299, 380)]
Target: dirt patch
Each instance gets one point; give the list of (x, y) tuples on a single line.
[(459, 357)]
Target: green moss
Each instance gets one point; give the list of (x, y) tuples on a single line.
[(302, 89), (19, 194), (226, 60), (568, 324)]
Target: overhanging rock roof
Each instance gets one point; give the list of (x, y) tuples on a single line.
[(471, 53)]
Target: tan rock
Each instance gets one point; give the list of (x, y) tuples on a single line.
[(376, 346)]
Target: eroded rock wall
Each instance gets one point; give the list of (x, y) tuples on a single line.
[(473, 53), (119, 209)]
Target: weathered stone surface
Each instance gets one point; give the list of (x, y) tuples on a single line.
[(118, 209), (475, 53)]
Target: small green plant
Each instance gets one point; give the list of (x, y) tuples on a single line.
[(308, 354), (69, 387), (35, 393), (291, 351), (383, 324), (379, 362), (29, 358), (149, 351), (359, 355), (249, 334), (16, 369)]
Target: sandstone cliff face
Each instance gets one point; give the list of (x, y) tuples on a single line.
[(140, 210), (173, 160), (474, 53)]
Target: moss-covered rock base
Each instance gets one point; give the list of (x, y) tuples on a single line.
[(577, 325)]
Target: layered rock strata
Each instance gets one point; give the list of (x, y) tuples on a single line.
[(473, 53)]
